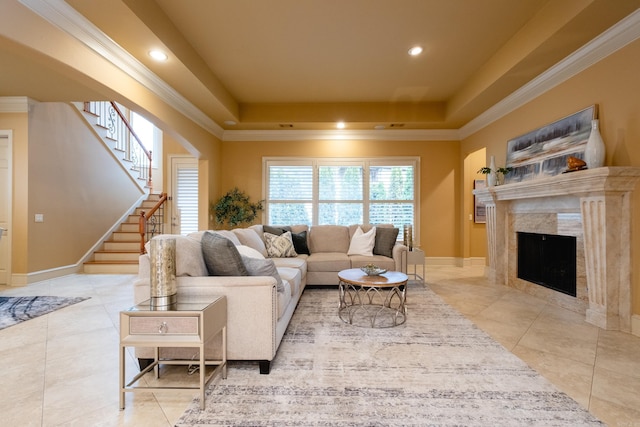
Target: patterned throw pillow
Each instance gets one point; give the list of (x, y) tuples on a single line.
[(279, 246), (299, 239)]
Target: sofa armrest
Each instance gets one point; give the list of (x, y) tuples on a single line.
[(399, 257), (252, 310)]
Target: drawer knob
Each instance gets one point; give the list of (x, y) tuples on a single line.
[(162, 329)]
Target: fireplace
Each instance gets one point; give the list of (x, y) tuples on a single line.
[(592, 205), (548, 260)]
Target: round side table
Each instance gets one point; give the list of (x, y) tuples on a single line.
[(373, 301)]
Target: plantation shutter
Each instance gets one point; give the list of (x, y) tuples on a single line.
[(187, 199)]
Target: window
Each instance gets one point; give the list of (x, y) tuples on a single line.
[(341, 191)]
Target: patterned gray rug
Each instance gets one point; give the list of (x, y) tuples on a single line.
[(438, 369), (14, 310)]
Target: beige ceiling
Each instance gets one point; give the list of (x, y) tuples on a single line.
[(305, 64)]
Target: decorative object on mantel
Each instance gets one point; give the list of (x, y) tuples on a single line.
[(545, 151), (164, 288), (575, 164), (495, 176), (594, 152)]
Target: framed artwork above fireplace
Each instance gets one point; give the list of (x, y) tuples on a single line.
[(544, 151)]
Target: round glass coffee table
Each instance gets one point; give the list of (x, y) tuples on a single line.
[(372, 301)]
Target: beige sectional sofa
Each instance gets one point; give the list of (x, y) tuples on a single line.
[(259, 306)]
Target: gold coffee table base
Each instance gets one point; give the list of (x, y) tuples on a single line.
[(372, 301)]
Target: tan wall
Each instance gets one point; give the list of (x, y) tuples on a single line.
[(613, 84), (19, 124), (440, 176), (75, 182)]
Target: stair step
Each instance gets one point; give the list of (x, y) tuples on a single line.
[(130, 227), (125, 236), (116, 255), (111, 245), (111, 267)]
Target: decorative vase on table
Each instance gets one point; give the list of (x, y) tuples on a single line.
[(492, 175), (594, 151), (162, 255)]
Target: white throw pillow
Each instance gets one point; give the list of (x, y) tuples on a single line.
[(249, 252), (362, 243)]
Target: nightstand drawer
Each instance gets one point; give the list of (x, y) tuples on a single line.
[(163, 325)]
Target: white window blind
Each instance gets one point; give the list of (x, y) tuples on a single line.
[(187, 199), (341, 191), (290, 194)]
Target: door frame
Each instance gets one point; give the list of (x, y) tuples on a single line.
[(7, 235)]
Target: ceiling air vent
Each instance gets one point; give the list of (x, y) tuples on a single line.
[(286, 125), (396, 125)]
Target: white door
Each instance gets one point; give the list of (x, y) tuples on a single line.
[(184, 194), (5, 206)]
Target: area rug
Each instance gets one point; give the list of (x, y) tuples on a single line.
[(14, 310), (437, 369)]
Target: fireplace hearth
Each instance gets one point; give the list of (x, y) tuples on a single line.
[(548, 260)]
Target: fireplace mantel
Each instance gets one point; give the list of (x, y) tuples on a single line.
[(602, 197)]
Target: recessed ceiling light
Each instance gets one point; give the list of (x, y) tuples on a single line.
[(379, 127), (230, 122), (158, 55), (341, 125), (415, 51)]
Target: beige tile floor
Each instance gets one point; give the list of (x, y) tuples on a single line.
[(61, 369)]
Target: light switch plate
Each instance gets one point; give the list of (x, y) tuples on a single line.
[(39, 218)]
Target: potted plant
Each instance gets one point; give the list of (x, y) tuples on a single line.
[(235, 208), (495, 176)]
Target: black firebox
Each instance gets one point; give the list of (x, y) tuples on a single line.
[(548, 260)]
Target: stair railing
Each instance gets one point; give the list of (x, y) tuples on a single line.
[(151, 223), (111, 117)]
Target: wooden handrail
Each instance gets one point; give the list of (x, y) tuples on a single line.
[(142, 221)]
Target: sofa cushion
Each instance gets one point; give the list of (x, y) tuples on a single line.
[(263, 267), (362, 243), (385, 241), (279, 246), (381, 261), (221, 256), (292, 276), (189, 258), (250, 237), (224, 233), (299, 262), (329, 238), (328, 261), (284, 298)]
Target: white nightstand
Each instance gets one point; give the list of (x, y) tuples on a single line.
[(185, 325), (415, 257)]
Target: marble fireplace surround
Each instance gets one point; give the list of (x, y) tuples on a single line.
[(595, 206)]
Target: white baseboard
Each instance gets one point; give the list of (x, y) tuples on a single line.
[(455, 262), (635, 325), (29, 278)]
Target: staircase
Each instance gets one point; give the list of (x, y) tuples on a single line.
[(119, 254)]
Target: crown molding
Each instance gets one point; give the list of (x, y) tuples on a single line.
[(337, 135), (15, 104), (63, 16), (610, 41), (60, 14)]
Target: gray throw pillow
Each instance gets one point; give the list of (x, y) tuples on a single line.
[(221, 256), (263, 267), (385, 241)]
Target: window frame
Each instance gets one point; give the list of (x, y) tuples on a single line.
[(366, 163)]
